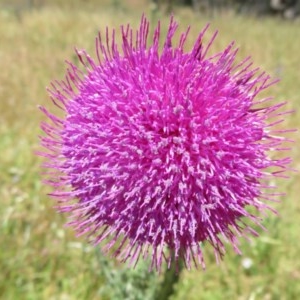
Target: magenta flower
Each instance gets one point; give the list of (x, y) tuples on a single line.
[(160, 151)]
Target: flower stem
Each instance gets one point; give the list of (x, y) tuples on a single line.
[(171, 277)]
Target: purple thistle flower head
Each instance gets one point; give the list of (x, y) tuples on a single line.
[(160, 150)]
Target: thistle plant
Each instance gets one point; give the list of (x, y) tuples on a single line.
[(162, 151)]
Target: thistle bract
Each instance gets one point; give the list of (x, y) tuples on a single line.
[(161, 150)]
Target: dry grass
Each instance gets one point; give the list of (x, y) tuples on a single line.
[(39, 258)]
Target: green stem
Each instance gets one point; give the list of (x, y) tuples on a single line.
[(166, 289)]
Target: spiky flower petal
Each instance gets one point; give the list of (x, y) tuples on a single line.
[(161, 150)]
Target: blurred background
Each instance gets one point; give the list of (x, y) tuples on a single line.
[(42, 259)]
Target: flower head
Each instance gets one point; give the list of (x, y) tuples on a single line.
[(160, 150)]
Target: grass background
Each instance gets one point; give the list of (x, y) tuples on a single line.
[(39, 258)]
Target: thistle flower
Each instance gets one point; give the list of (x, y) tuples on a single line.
[(160, 151)]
